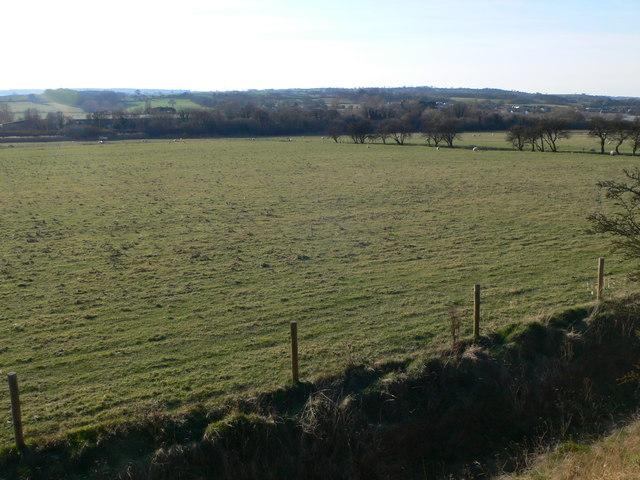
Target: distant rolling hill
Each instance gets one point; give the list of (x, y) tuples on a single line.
[(79, 102)]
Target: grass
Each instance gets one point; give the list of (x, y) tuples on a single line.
[(615, 457), (163, 101), (19, 107), (578, 142), (20, 104), (139, 273), (537, 381)]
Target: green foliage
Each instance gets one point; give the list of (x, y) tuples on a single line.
[(81, 439), (511, 331), (237, 424), (569, 317), (569, 447)]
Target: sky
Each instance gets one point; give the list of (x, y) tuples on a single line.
[(559, 46)]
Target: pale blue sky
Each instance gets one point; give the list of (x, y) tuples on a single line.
[(536, 46)]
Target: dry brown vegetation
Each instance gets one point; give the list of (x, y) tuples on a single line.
[(615, 458)]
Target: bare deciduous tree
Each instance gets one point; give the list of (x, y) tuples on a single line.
[(32, 119), (620, 131), (397, 129), (450, 131), (552, 129), (358, 130), (634, 135), (335, 130), (6, 115), (600, 128), (622, 220), (517, 136), (533, 136), (438, 128)]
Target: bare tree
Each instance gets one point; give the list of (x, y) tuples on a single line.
[(401, 135), (335, 130), (358, 130), (32, 119), (517, 136), (459, 110), (431, 131), (533, 137), (6, 115), (373, 107), (634, 135), (600, 128), (450, 131), (54, 122), (620, 131), (432, 137), (397, 129), (552, 129), (624, 221), (382, 135)]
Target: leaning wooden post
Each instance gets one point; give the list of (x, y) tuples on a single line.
[(15, 409), (476, 310), (294, 352), (600, 278)]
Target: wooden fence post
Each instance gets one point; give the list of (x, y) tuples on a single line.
[(15, 409), (600, 278), (294, 352), (476, 311)]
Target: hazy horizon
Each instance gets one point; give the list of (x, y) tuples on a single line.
[(177, 91), (541, 46)]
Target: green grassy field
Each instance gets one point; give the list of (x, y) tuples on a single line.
[(19, 104), (163, 101), (141, 272), (578, 142), (19, 107)]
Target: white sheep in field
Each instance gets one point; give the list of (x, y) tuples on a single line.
[(613, 152), (475, 149)]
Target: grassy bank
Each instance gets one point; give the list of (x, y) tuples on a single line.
[(615, 457), (465, 413)]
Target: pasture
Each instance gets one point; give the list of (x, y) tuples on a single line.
[(19, 107), (139, 273), (160, 101), (578, 142)]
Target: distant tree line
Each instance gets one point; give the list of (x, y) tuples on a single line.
[(615, 131), (373, 119), (6, 114), (486, 99), (543, 132)]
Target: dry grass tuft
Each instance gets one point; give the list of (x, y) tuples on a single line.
[(614, 458)]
